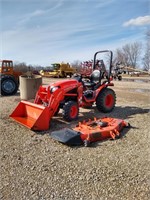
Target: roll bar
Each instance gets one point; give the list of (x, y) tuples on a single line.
[(110, 63), (104, 51)]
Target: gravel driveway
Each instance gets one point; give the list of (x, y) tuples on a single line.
[(34, 167)]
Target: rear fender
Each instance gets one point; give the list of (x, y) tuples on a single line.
[(102, 87)]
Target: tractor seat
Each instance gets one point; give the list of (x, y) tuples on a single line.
[(94, 79)]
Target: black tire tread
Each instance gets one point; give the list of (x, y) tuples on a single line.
[(6, 77), (66, 110), (100, 100)]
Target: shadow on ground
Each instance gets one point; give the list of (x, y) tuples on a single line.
[(57, 123), (125, 113), (119, 112)]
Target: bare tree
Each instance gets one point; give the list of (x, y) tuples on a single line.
[(76, 64), (129, 54), (119, 57), (23, 67), (146, 59)]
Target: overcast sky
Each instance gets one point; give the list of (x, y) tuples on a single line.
[(46, 31)]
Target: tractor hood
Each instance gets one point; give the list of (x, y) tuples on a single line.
[(67, 136), (69, 84)]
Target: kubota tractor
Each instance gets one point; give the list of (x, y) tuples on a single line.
[(68, 95), (9, 78)]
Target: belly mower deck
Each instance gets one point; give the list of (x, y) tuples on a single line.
[(90, 131)]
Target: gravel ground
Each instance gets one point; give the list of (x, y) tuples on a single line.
[(35, 167)]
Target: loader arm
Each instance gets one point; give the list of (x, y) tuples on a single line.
[(37, 116)]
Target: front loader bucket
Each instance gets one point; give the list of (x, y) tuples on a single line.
[(31, 115)]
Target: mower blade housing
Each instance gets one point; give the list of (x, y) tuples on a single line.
[(100, 129), (31, 115)]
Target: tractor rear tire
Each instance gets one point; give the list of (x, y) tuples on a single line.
[(106, 100), (9, 85), (70, 111)]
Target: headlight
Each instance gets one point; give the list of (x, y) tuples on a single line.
[(53, 89)]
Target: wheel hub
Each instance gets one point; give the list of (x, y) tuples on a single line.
[(8, 85)]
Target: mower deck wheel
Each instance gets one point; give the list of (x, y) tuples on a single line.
[(86, 143)]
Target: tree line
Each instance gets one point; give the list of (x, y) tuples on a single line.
[(128, 55)]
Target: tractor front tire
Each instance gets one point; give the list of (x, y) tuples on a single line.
[(9, 85), (70, 111), (106, 100)]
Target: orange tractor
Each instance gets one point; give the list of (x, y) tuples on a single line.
[(9, 78), (68, 95)]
